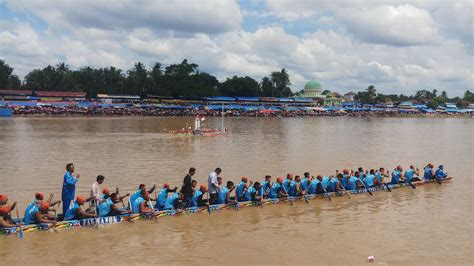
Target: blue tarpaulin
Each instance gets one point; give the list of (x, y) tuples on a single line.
[(248, 99)]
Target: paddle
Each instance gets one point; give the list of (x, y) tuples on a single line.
[(150, 205), (344, 190), (437, 179), (370, 192), (291, 202), (410, 183), (20, 235), (326, 192), (388, 187)]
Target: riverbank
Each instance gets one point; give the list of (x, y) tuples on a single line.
[(259, 111)]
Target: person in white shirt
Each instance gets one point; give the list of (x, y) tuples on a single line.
[(213, 185), (95, 192)]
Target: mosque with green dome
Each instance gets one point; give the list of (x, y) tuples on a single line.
[(313, 90)]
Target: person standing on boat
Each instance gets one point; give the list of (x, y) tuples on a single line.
[(213, 186), (412, 174), (95, 192), (69, 187), (187, 189)]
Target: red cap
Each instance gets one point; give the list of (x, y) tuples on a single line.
[(4, 210), (3, 198), (45, 206), (279, 179), (203, 187), (39, 196), (345, 171), (431, 165), (245, 179), (166, 185), (399, 167), (80, 199), (105, 190)]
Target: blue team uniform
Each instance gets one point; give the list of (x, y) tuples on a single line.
[(161, 199), (249, 193), (292, 189), (69, 190), (440, 173), (239, 190), (71, 212), (274, 190), (304, 184), (222, 195), (105, 207), (395, 177), (30, 213), (409, 175), (196, 198), (169, 203), (369, 180), (325, 182), (136, 204), (352, 183), (427, 174)]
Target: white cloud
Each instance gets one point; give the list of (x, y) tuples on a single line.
[(395, 56), (187, 16)]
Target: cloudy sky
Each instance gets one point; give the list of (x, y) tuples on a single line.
[(397, 46)]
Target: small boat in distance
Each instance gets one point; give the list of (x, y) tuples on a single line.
[(199, 131)]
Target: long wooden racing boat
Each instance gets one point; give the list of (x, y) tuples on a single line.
[(104, 221)]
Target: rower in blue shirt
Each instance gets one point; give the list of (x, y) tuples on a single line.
[(440, 174), (428, 172), (277, 190), (69, 186), (223, 196), (136, 194), (397, 176), (352, 182), (412, 174), (75, 212), (241, 188), (109, 206), (370, 178), (325, 182), (304, 184), (266, 185), (381, 174), (172, 202), (332, 184), (252, 192), (196, 199), (163, 195), (286, 183)]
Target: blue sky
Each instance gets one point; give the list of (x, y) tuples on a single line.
[(397, 46)]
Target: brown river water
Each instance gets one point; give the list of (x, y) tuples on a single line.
[(432, 224)]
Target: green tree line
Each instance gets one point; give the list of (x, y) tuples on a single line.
[(431, 98), (183, 79)]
